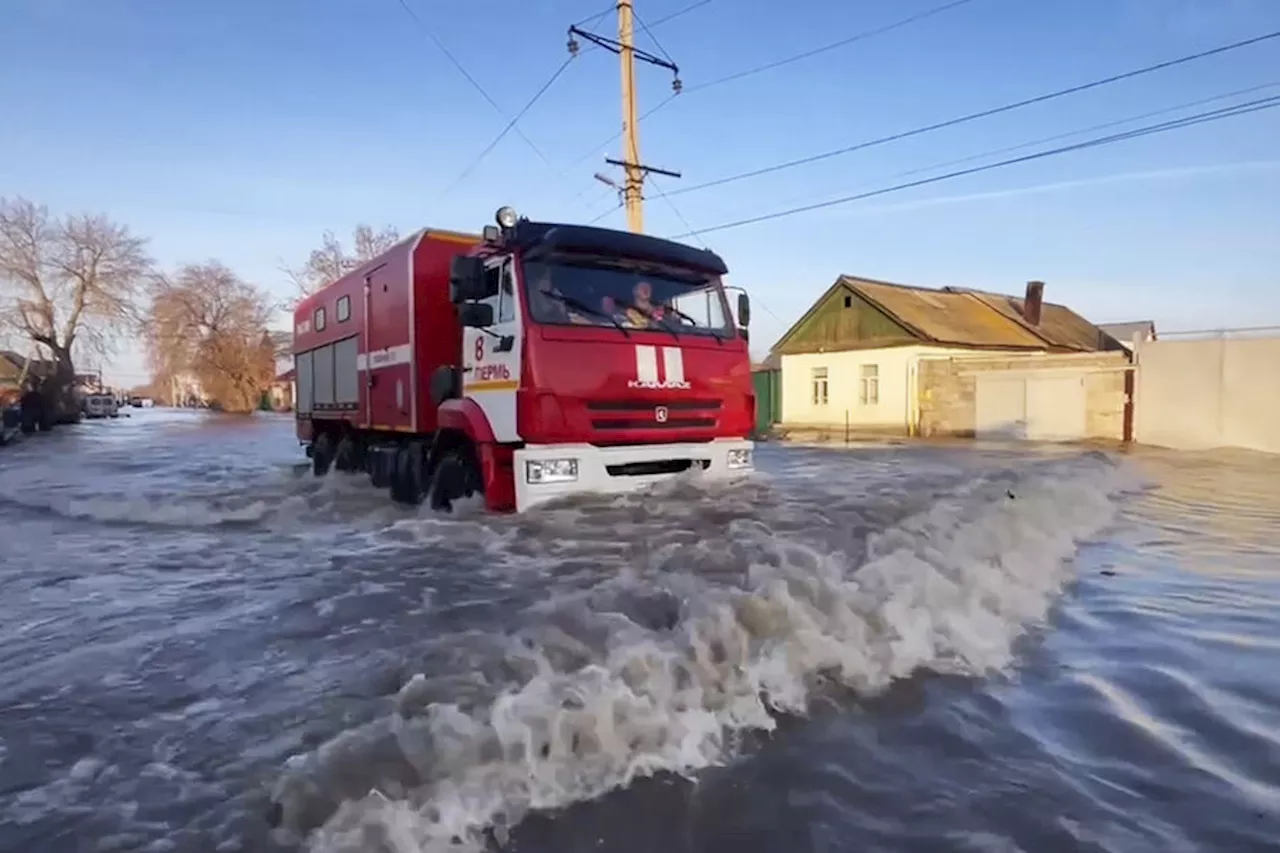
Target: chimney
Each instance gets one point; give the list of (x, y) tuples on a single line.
[(1033, 302)]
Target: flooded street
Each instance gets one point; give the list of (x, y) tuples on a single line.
[(203, 648)]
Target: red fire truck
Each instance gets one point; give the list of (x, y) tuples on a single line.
[(530, 362)]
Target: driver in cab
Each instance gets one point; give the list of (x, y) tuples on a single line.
[(642, 313)]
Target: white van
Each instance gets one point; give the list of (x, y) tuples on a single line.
[(100, 406)]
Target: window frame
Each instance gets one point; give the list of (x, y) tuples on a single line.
[(318, 319), (869, 384), (343, 300), (819, 379)]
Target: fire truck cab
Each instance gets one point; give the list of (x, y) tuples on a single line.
[(533, 362)]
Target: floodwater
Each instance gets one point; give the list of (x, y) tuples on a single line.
[(203, 648)]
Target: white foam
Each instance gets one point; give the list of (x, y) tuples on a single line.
[(604, 693)]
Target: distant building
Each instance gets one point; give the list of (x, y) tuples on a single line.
[(852, 361), (185, 391), (283, 389), (1127, 333)]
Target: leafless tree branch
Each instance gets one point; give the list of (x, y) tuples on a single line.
[(331, 261)]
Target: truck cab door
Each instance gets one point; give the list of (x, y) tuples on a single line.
[(491, 357)]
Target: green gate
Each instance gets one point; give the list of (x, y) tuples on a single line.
[(768, 388)]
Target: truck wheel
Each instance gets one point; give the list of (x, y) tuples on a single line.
[(406, 478), (321, 454), (344, 458), (456, 477)]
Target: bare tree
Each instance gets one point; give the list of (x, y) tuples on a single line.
[(208, 323), (331, 261), (70, 285)]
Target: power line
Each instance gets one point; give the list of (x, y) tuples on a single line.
[(680, 12), (1083, 130), (600, 216), (466, 74), (654, 38), (1162, 127), (671, 204), (1114, 78), (510, 126), (591, 21), (919, 16), (778, 63)]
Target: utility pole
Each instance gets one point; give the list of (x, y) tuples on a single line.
[(634, 170)]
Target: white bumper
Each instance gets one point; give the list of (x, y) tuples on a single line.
[(594, 464)]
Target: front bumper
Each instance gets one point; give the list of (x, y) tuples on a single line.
[(618, 470)]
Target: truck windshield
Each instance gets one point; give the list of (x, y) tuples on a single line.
[(591, 294)]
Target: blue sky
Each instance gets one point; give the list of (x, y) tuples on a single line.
[(242, 129)]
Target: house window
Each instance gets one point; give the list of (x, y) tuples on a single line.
[(818, 384), (344, 309), (848, 301), (869, 384), (318, 319)]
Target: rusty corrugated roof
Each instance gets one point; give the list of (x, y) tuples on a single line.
[(947, 317), (1059, 325)]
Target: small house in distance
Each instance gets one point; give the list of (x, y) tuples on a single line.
[(1127, 333), (882, 358)]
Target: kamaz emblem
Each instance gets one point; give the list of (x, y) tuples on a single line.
[(660, 414), (671, 377)]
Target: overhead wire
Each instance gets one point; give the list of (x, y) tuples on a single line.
[(1160, 127), (502, 134), (1038, 99), (778, 63), (1083, 130), (697, 236), (645, 29), (600, 216), (475, 84)]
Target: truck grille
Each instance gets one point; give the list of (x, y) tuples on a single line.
[(653, 414)]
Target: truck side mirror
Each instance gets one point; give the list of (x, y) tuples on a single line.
[(744, 310), (475, 315), (466, 279)]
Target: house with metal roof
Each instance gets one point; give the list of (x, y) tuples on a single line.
[(1128, 333), (853, 359)]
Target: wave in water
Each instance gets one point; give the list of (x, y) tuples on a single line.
[(660, 666)]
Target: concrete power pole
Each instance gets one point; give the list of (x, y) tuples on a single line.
[(632, 190)]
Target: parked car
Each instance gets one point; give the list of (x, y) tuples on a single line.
[(100, 406)]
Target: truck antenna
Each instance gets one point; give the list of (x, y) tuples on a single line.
[(635, 171)]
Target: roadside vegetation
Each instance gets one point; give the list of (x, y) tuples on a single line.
[(75, 287)]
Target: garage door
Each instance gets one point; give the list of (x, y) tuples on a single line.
[(1056, 408), (1037, 408), (1000, 407)]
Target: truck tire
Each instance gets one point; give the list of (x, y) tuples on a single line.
[(456, 477), (345, 458), (407, 486), (321, 454)]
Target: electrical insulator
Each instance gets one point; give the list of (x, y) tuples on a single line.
[(573, 45), (677, 86)]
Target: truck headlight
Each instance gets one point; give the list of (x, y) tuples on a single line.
[(551, 470), (739, 457)]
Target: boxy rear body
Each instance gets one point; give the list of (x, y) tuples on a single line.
[(390, 379)]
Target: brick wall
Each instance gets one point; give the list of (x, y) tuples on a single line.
[(948, 390)]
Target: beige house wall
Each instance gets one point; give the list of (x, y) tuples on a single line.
[(896, 410), (948, 389)]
